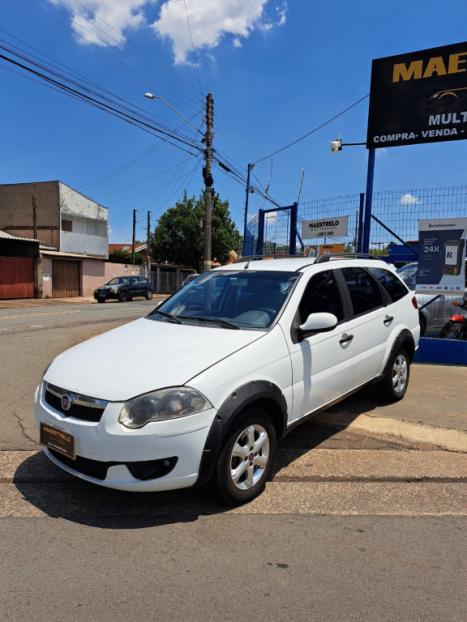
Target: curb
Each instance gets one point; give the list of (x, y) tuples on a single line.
[(441, 438)]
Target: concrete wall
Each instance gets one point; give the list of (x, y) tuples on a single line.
[(16, 210), (95, 273), (84, 244), (89, 233), (46, 277)]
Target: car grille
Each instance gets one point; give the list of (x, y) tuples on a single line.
[(81, 406), (144, 470)]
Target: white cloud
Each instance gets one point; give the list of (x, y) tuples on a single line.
[(103, 22), (210, 21), (106, 22), (409, 199)]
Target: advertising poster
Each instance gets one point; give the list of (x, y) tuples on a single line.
[(325, 227), (420, 97), (441, 262)]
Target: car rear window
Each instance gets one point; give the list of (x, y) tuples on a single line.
[(391, 283)]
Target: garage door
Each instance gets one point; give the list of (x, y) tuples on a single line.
[(16, 277), (65, 278)]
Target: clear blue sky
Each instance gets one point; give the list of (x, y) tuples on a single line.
[(300, 62)]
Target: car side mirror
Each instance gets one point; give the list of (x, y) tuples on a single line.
[(317, 323)]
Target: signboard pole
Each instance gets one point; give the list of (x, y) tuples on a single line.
[(368, 201), (361, 208), (293, 229)]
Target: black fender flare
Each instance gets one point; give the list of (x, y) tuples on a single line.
[(404, 338), (237, 401)]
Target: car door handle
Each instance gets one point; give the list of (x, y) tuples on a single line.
[(387, 320), (345, 338)]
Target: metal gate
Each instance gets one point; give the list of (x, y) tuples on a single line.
[(16, 277), (65, 278)]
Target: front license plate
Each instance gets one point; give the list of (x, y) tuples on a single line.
[(59, 441)]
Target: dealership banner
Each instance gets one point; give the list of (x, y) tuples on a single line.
[(325, 227), (419, 97), (441, 261)]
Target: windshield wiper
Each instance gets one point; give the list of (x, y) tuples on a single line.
[(212, 320), (168, 316)]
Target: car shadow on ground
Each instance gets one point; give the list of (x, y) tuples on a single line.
[(59, 495)]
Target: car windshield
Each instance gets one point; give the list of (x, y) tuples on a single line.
[(229, 299), (118, 280)]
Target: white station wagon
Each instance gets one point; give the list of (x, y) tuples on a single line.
[(201, 390)]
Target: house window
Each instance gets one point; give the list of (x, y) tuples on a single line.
[(67, 225)]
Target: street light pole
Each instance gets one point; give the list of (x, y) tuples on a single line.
[(208, 182), (169, 105), (247, 197)]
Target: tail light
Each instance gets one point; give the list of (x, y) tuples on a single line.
[(414, 302)]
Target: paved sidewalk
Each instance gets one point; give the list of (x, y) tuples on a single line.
[(434, 410), (24, 303)]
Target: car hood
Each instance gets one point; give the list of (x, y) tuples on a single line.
[(142, 356)]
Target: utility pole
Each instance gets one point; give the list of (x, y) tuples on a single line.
[(34, 217), (133, 238), (148, 244), (208, 182), (250, 167)]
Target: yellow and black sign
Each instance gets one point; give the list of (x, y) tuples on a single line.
[(419, 97)]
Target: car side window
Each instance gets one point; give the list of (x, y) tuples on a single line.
[(321, 295), (391, 283), (364, 291), (133, 280)]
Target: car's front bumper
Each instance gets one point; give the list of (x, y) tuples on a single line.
[(109, 441)]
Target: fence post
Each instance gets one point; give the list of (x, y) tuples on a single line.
[(361, 209), (260, 240), (293, 229), (368, 200)]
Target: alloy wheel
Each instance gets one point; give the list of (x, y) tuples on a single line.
[(249, 457), (400, 371)]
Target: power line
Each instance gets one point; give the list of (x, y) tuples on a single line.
[(315, 129), (195, 54), (103, 102)]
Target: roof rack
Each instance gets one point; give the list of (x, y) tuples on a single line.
[(329, 256), (258, 257)]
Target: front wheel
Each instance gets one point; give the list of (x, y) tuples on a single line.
[(122, 297), (394, 384), (149, 294), (452, 330), (246, 459)]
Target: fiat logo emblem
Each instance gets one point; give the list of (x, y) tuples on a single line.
[(66, 402)]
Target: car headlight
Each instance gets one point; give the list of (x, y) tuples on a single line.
[(162, 405)]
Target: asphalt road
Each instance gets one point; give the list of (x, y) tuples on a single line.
[(351, 527)]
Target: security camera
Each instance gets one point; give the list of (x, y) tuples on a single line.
[(336, 145)]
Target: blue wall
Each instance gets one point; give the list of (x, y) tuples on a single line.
[(441, 351)]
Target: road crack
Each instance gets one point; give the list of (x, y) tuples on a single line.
[(23, 429)]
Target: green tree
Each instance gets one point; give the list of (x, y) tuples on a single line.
[(178, 237)]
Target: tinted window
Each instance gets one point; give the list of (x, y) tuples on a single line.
[(364, 292), (246, 299), (118, 280), (394, 286), (321, 295), (409, 274)]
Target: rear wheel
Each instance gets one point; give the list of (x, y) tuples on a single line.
[(452, 330), (246, 459), (149, 294), (394, 384)]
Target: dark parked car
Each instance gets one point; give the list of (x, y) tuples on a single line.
[(124, 288)]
